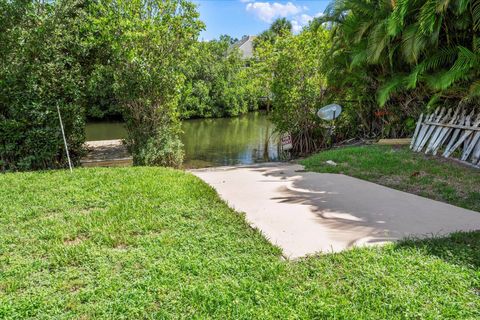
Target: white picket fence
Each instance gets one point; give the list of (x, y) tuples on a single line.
[(452, 132)]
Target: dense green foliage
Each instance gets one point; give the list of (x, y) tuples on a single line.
[(156, 243), (399, 168), (384, 61), (290, 71), (217, 82), (280, 27), (393, 59), (150, 41), (298, 87), (40, 69), (106, 58), (264, 63)]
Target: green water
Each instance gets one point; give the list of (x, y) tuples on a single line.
[(211, 142)]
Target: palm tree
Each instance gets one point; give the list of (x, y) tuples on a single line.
[(279, 28), (405, 53)]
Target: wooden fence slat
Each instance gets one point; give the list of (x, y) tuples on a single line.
[(467, 143), (450, 127), (417, 129), (476, 154), (445, 133), (455, 134), (437, 131), (424, 129), (463, 137), (430, 130), (455, 126), (472, 144)]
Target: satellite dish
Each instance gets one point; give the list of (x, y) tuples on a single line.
[(330, 112)]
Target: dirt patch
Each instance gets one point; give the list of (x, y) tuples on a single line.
[(74, 289), (121, 247), (86, 211), (418, 174), (74, 241), (390, 180)]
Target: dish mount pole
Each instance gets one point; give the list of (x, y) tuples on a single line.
[(332, 128)]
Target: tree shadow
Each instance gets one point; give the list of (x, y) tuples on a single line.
[(350, 213), (460, 248)]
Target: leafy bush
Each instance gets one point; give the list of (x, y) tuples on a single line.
[(165, 149), (153, 134), (108, 57), (218, 83), (100, 98), (150, 41), (297, 86), (39, 70)]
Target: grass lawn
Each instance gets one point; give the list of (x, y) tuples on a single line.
[(399, 168), (158, 243)]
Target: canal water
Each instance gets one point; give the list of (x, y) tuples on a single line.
[(213, 142)]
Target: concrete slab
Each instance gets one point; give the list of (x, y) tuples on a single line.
[(306, 213), (106, 153)]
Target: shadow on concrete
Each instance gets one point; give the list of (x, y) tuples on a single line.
[(306, 213), (363, 213)]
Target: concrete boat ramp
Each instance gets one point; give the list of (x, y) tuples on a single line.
[(106, 153), (306, 213)]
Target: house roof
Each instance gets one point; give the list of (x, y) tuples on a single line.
[(245, 45)]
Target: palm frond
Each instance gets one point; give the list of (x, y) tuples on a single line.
[(378, 41), (476, 44), (476, 14), (442, 5), (388, 88), (433, 101), (427, 16), (412, 79), (445, 79), (466, 60), (359, 58), (443, 57), (462, 6), (412, 43), (474, 90), (397, 18), (361, 30)]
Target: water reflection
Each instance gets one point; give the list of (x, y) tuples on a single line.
[(212, 142)]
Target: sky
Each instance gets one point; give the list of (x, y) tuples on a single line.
[(248, 17)]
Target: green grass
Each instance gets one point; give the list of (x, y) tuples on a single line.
[(399, 168), (157, 243)]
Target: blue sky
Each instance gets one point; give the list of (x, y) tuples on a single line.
[(247, 17)]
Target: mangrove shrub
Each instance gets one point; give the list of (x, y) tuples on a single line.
[(292, 68), (40, 46), (151, 41)]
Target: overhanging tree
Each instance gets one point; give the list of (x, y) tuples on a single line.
[(151, 41)]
